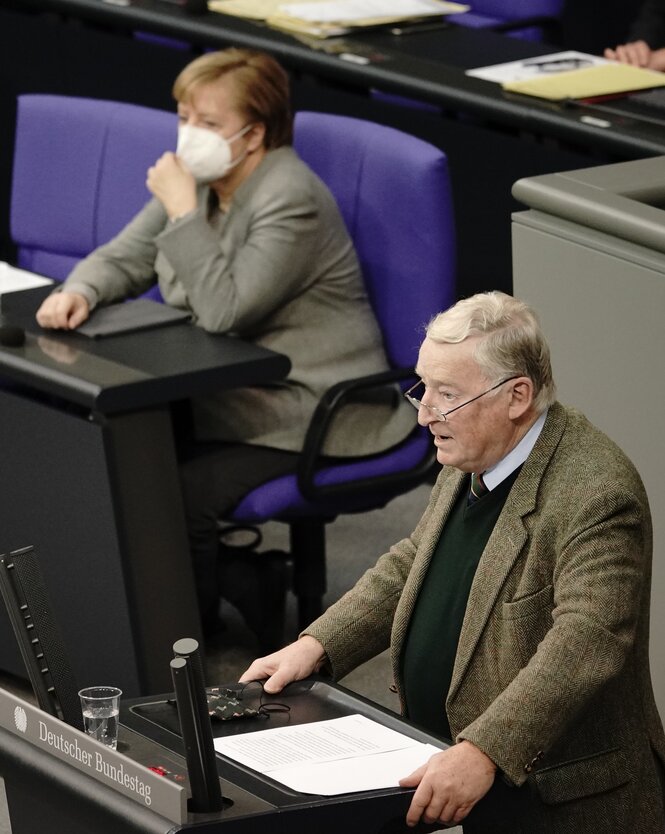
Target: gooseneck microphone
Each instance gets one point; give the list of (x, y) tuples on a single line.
[(11, 336)]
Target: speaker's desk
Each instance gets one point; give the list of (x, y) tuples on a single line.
[(45, 793), (90, 479)]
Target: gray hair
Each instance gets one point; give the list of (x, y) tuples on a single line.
[(512, 343)]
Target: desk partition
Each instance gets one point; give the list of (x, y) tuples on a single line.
[(90, 479), (589, 254)]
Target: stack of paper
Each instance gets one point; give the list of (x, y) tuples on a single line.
[(326, 18), (538, 67), (341, 755)]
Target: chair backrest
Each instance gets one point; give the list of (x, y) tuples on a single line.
[(79, 175), (493, 13), (394, 193), (517, 9)]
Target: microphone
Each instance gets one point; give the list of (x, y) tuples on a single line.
[(195, 727), (11, 336)]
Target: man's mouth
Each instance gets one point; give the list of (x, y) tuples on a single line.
[(440, 438)]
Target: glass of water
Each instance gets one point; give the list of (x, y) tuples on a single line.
[(101, 707)]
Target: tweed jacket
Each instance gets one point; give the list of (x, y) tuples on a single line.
[(551, 676), (278, 270)]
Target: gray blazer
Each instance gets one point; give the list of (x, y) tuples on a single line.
[(279, 270), (551, 677)]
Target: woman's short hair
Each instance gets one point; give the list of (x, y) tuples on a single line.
[(260, 89), (512, 340)]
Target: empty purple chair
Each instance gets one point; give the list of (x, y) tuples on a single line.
[(394, 194), (79, 175), (533, 20)]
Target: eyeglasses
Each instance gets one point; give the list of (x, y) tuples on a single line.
[(443, 415)]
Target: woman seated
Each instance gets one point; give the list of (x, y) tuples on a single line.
[(244, 236)]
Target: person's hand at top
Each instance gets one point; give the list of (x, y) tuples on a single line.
[(170, 181), (294, 662), (638, 54), (63, 311)]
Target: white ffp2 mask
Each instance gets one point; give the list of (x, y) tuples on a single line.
[(206, 154)]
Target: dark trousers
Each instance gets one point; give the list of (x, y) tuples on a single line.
[(214, 478)]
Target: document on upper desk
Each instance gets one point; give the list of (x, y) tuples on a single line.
[(330, 18), (354, 11), (569, 75), (589, 82), (342, 755), (541, 66)]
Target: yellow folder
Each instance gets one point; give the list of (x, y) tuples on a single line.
[(600, 80)]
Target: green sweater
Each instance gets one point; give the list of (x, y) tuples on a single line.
[(431, 644)]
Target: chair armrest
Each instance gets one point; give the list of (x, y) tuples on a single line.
[(329, 404)]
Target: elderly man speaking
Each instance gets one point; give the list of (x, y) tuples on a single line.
[(517, 611)]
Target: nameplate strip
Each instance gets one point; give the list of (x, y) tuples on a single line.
[(93, 758)]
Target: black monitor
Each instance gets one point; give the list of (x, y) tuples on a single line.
[(24, 593)]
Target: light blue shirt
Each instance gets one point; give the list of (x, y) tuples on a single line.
[(506, 466)]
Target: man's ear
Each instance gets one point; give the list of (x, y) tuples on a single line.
[(521, 397)]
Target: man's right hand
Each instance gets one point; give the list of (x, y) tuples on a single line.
[(294, 662), (63, 311)]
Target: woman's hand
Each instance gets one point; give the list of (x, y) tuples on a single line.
[(173, 185), (63, 311)]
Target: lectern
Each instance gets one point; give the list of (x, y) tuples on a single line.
[(141, 788)]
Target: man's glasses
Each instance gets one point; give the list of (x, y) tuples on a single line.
[(443, 415)]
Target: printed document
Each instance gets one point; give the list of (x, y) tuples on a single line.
[(539, 67), (349, 11), (342, 755)]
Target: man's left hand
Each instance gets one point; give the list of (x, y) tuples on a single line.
[(449, 784)]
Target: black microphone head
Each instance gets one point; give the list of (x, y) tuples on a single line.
[(11, 336)]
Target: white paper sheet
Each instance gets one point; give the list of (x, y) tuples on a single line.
[(350, 10), (12, 279), (536, 67), (342, 755)]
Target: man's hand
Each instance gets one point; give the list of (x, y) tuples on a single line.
[(295, 662), (173, 185), (63, 311), (638, 54), (449, 785)]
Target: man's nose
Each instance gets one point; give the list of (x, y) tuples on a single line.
[(426, 415)]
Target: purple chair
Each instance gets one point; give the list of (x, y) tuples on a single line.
[(394, 194), (533, 20), (79, 175)]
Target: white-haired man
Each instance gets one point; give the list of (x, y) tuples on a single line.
[(517, 611)]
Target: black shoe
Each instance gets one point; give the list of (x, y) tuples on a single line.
[(256, 584)]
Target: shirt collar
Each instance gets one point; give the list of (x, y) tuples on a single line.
[(516, 457)]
